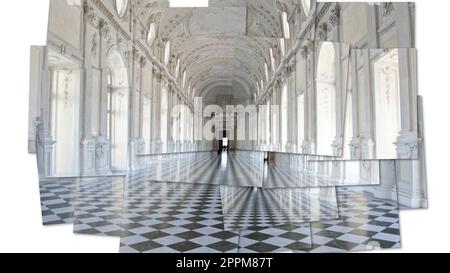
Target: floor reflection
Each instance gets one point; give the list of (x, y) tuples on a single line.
[(234, 168), (365, 223), (245, 208)]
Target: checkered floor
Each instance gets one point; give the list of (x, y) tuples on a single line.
[(247, 208), (235, 168), (57, 197), (283, 239), (98, 206), (365, 223), (175, 218), (164, 217)]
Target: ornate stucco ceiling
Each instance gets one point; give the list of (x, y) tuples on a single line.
[(226, 44)]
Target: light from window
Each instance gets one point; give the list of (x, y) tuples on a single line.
[(184, 78), (177, 69), (272, 59), (282, 46), (121, 7), (306, 5), (167, 53), (151, 34), (266, 68), (286, 27)]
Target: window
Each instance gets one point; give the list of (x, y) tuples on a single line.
[(325, 103), (306, 5), (284, 115), (282, 47), (300, 119), (147, 120), (266, 69), (387, 104), (286, 27), (184, 78), (177, 69), (121, 7), (109, 106), (167, 53), (151, 34), (272, 59), (164, 114)]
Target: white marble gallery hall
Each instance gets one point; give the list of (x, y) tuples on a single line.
[(229, 126)]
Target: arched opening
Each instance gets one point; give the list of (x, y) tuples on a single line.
[(266, 70), (286, 26), (325, 99), (164, 118), (282, 47), (117, 110), (387, 100), (267, 123), (184, 78), (272, 59), (167, 53), (284, 115), (151, 34), (147, 121), (121, 7), (300, 120), (64, 111), (306, 6)]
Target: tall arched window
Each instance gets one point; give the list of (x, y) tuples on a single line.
[(387, 104), (167, 53), (300, 119), (184, 78), (286, 26), (121, 7), (267, 123), (282, 47), (117, 110), (164, 111), (325, 99), (151, 34), (266, 70), (306, 6), (284, 114), (146, 122), (275, 112), (272, 59), (177, 68)]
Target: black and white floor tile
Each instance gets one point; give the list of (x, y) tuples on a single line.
[(234, 168), (281, 239), (57, 198), (98, 206), (175, 218), (248, 208), (366, 223)]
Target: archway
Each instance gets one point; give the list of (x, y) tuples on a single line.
[(325, 99), (117, 110), (387, 99)]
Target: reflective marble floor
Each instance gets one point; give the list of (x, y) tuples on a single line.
[(98, 206), (366, 223), (239, 168), (245, 208), (167, 217), (57, 198), (235, 168)]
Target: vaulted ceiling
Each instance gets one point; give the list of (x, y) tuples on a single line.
[(226, 44)]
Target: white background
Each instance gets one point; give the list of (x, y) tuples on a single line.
[(24, 23)]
